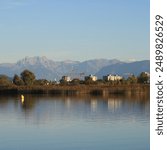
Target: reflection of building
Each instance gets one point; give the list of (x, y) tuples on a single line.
[(68, 102), (91, 77), (112, 77), (114, 104), (66, 78), (93, 104)]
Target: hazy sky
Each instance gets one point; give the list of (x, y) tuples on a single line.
[(74, 29)]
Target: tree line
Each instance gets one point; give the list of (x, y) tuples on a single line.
[(28, 78)]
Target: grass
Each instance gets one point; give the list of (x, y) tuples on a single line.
[(77, 89)]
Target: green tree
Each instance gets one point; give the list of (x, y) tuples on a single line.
[(143, 77), (75, 82), (41, 82), (64, 82), (89, 81), (5, 81), (17, 80), (132, 79), (28, 77)]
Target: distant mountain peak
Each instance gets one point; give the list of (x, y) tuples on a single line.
[(33, 60), (49, 69)]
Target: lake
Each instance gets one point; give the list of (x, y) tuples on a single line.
[(75, 123)]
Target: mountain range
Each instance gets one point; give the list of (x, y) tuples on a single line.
[(45, 68)]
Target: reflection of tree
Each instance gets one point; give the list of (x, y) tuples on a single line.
[(5, 100), (46, 108), (87, 103)]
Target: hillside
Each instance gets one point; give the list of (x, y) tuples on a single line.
[(49, 69)]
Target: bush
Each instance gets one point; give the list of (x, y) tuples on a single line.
[(41, 82), (5, 81), (75, 82)]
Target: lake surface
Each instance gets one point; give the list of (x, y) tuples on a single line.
[(74, 123)]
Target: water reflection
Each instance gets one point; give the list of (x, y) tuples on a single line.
[(47, 107), (72, 123), (93, 103), (114, 104)]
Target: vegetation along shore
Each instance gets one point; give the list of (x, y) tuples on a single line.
[(27, 83)]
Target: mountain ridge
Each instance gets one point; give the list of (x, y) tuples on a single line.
[(51, 70)]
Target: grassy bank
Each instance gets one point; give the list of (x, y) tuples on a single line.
[(78, 89)]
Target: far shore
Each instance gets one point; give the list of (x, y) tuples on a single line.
[(101, 90)]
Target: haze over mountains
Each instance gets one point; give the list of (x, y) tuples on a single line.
[(45, 68)]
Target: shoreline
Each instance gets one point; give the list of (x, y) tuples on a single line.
[(99, 90)]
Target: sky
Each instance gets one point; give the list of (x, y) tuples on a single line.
[(74, 29)]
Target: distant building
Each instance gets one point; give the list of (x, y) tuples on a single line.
[(112, 77), (66, 78), (91, 77), (147, 73), (148, 77)]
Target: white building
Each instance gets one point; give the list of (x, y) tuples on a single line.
[(91, 77), (66, 78), (112, 77), (147, 73)]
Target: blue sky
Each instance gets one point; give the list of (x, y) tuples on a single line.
[(74, 29)]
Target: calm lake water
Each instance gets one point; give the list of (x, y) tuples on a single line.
[(74, 123)]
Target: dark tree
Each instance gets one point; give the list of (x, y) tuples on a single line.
[(89, 81), (64, 82), (132, 79), (5, 81), (75, 82), (41, 82), (17, 80), (28, 77), (143, 77)]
